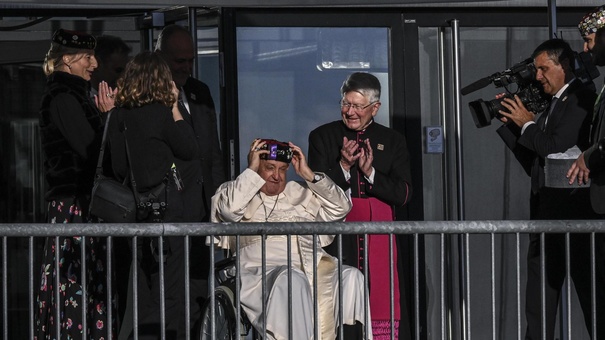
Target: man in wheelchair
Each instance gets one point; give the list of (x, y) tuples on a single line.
[(262, 194)]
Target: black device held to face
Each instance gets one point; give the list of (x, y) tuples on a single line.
[(278, 151)]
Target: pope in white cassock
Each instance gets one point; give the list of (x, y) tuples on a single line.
[(261, 194)]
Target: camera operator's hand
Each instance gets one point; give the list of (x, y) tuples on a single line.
[(501, 118), (578, 170), (254, 154), (299, 161), (518, 114)]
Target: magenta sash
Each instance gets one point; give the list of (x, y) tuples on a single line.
[(371, 209)]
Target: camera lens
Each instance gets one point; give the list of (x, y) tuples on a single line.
[(483, 112)]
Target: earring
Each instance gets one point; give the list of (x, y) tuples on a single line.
[(65, 61)]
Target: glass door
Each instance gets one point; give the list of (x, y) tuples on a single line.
[(289, 78), (289, 68)]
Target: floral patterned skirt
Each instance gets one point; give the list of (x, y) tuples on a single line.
[(70, 281)]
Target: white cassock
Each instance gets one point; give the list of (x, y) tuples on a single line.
[(241, 201)]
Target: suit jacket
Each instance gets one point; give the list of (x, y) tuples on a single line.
[(203, 175), (595, 159), (568, 124)]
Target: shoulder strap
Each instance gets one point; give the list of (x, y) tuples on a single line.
[(99, 170), (133, 183)]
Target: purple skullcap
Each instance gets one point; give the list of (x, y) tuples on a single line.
[(592, 21), (74, 39)]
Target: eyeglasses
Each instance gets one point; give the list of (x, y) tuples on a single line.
[(355, 107)]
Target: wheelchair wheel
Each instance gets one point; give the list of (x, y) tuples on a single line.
[(224, 318)]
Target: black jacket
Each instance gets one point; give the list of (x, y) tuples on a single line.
[(71, 128), (203, 174), (155, 141)]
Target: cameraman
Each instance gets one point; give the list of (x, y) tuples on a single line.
[(563, 124)]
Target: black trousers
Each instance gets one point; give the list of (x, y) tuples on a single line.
[(148, 284), (555, 204), (555, 270), (149, 295)]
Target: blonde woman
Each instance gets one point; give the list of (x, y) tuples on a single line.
[(71, 128)]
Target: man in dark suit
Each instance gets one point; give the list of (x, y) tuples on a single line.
[(591, 164), (564, 124), (202, 176)]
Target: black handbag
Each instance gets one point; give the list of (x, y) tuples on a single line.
[(113, 201)]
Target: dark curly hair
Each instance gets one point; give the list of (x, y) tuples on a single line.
[(146, 79)]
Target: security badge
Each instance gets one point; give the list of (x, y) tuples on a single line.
[(380, 147)]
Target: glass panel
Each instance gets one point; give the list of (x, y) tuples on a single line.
[(22, 198), (208, 63), (290, 78)]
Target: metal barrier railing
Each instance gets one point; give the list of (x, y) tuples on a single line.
[(454, 320)]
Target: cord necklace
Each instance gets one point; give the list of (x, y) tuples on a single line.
[(265, 207)]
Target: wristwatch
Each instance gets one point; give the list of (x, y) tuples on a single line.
[(317, 178)]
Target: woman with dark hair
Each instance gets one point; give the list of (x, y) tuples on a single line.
[(147, 116), (71, 129), (147, 111)]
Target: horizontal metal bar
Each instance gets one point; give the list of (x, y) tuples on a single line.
[(300, 228), (69, 4)]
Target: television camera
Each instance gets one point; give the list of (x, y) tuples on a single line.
[(529, 90)]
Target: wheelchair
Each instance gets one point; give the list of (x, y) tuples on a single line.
[(224, 313)]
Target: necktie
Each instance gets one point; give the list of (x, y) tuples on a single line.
[(536, 169), (183, 109), (182, 106), (551, 107)]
